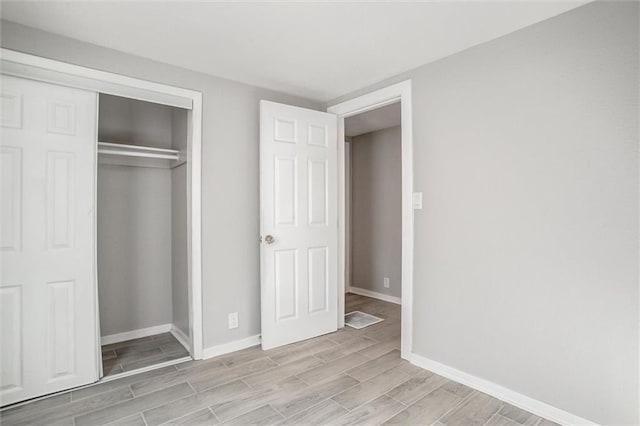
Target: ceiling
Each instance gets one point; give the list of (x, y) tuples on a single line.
[(317, 50), (374, 120)]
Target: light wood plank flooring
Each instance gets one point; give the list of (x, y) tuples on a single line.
[(138, 353), (351, 377)]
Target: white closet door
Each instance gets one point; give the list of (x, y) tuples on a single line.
[(47, 239), (299, 223)]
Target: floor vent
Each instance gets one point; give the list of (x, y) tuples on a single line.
[(358, 320)]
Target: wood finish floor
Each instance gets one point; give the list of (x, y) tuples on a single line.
[(351, 377), (138, 353)]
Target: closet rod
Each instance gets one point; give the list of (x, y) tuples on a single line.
[(138, 147), (139, 154)]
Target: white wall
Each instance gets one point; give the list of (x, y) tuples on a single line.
[(526, 251), (376, 209), (230, 183)]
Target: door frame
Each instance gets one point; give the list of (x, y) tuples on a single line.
[(34, 67), (372, 100)]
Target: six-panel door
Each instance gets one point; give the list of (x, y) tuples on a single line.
[(298, 191), (48, 326)]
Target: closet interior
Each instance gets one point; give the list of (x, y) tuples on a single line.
[(142, 234)]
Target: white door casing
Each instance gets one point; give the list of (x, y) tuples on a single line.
[(372, 100), (47, 288), (298, 208)]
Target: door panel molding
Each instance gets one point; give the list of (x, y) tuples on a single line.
[(11, 315)]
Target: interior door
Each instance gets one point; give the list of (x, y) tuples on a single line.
[(299, 223), (47, 287)]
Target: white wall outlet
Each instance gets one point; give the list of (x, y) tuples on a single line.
[(233, 320), (386, 282), (417, 200)]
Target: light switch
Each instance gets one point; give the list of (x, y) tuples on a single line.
[(417, 200)]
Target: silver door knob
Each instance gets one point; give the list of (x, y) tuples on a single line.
[(269, 239)]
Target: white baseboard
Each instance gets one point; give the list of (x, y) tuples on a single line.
[(135, 334), (375, 295), (226, 348), (181, 337), (524, 402)]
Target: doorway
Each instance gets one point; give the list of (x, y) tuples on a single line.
[(373, 184), (399, 93), (373, 226), (303, 232)]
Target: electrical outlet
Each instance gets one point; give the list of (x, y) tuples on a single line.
[(386, 282), (416, 200), (233, 320)]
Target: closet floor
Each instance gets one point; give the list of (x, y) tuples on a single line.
[(138, 353)]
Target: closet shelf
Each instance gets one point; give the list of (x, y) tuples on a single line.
[(137, 151)]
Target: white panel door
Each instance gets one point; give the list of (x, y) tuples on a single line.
[(47, 283), (299, 223)]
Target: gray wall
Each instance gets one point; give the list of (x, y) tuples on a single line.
[(347, 213), (142, 223), (134, 247), (376, 209), (230, 183), (526, 269), (135, 122), (526, 251)]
